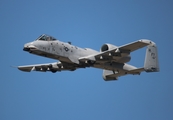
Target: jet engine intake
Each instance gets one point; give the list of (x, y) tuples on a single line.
[(106, 47)]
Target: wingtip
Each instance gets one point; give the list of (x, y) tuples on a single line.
[(13, 66), (16, 67), (147, 41)]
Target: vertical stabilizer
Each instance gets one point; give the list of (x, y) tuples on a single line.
[(151, 59)]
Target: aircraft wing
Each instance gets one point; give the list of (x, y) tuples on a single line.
[(134, 45), (53, 67), (122, 50)]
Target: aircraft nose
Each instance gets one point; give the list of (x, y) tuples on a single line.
[(29, 47), (26, 49)]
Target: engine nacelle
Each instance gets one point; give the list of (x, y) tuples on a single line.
[(106, 47), (123, 57)]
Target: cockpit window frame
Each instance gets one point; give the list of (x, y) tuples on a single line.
[(47, 38)]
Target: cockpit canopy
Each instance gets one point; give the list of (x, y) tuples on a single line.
[(45, 37)]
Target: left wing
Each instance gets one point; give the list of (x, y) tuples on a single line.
[(125, 49), (53, 67)]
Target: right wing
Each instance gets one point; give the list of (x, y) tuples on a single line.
[(135, 45), (53, 67), (124, 49)]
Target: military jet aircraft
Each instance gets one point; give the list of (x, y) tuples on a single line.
[(112, 59)]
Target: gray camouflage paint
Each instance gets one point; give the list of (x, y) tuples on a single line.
[(112, 59)]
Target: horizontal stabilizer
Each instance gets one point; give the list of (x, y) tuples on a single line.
[(109, 75), (136, 71)]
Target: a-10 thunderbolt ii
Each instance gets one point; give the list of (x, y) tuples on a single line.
[(112, 59)]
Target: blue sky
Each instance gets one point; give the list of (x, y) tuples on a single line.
[(83, 94)]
